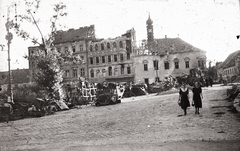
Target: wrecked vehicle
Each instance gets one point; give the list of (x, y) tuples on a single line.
[(108, 93)]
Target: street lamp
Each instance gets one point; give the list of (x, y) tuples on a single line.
[(9, 38)]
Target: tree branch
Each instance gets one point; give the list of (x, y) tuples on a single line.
[(43, 42)]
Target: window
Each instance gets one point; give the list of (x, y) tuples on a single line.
[(115, 71), (103, 59), (201, 63), (187, 60), (166, 65), (121, 44), (145, 67), (81, 47), (91, 60), (176, 65), (108, 46), (82, 72), (91, 49), (97, 59), (66, 49), (73, 49), (96, 47), (67, 73), (114, 45), (155, 64), (146, 80), (128, 70), (110, 71), (109, 58), (121, 57), (102, 46), (187, 64), (128, 56), (75, 72), (115, 58), (122, 69), (92, 73)]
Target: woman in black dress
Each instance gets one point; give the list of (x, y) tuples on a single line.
[(184, 98), (197, 97)]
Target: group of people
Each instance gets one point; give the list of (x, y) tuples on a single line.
[(183, 100)]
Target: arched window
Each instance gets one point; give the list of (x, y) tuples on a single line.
[(108, 46), (145, 65), (176, 63), (96, 47), (102, 46), (187, 62), (121, 44), (166, 65), (110, 71), (114, 45)]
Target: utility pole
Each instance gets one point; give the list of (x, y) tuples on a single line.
[(9, 38)]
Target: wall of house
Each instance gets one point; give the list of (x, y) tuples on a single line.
[(229, 73), (181, 58)]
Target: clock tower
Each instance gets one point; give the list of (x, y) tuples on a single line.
[(150, 38)]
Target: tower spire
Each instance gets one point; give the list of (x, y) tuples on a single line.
[(150, 38)]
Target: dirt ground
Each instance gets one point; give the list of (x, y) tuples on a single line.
[(141, 123)]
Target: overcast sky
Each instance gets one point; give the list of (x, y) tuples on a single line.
[(211, 25)]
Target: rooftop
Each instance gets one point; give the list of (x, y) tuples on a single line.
[(72, 35), (230, 60), (173, 45)]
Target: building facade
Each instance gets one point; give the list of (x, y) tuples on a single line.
[(102, 59), (119, 60), (111, 59)]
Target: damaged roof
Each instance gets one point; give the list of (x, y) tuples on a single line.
[(72, 35)]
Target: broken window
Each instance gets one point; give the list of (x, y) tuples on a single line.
[(91, 60), (96, 47), (121, 44), (108, 46), (102, 46), (115, 58)]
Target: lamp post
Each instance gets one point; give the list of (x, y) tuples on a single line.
[(9, 38)]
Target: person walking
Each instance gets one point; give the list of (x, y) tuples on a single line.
[(197, 97), (184, 98)]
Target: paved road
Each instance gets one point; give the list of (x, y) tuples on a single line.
[(148, 123)]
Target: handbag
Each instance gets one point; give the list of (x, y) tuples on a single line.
[(179, 102)]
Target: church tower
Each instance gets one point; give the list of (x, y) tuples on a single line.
[(150, 38)]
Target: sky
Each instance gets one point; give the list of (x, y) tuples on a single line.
[(211, 25)]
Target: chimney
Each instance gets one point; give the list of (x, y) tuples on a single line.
[(165, 36)]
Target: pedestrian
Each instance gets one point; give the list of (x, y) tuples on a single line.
[(207, 81), (184, 98), (197, 97), (210, 81)]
